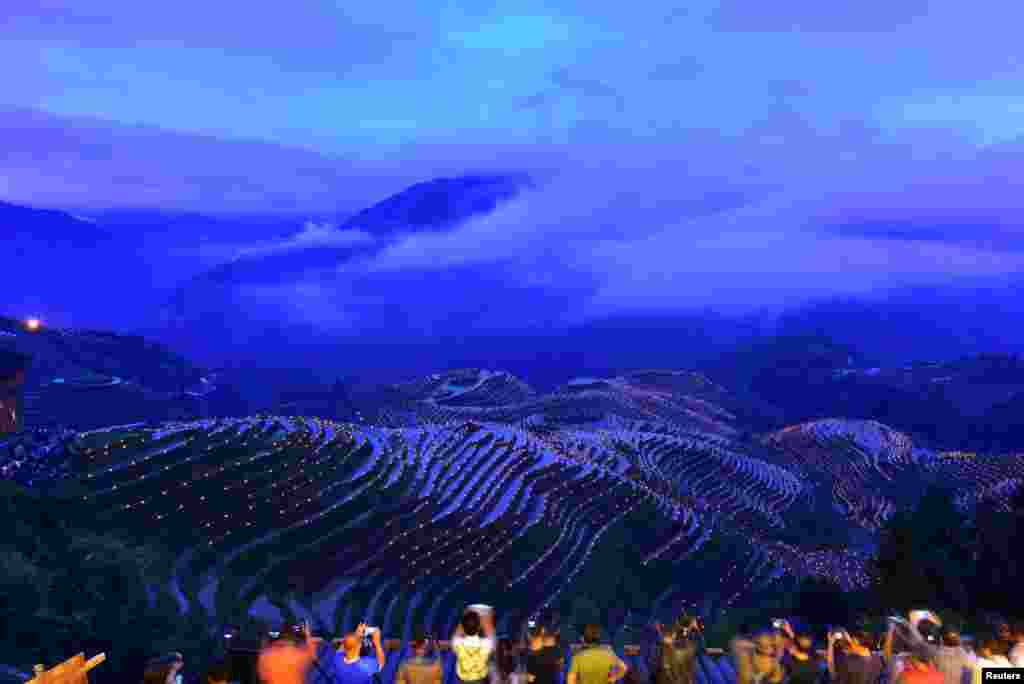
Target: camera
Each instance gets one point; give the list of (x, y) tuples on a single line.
[(295, 634), (368, 649), (778, 624)]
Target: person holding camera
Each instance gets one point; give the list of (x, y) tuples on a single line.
[(937, 645), (351, 667), (850, 660), (544, 659), (676, 656), (473, 651), (762, 664), (288, 658), (800, 662), (165, 669), (420, 668)]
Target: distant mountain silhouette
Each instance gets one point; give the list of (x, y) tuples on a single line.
[(48, 227), (432, 206), (437, 204)]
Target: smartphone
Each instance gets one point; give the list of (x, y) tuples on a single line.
[(177, 678)]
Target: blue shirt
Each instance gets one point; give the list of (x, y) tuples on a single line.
[(359, 672), (324, 669)]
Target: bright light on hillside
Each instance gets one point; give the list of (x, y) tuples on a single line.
[(33, 324)]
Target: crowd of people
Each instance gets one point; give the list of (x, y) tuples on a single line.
[(918, 649)]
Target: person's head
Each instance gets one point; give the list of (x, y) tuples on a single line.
[(162, 669), (592, 634), (951, 637), (764, 643), (218, 673), (685, 627), (930, 631), (420, 642), (1017, 631), (351, 645), (990, 646), (860, 638), (156, 674), (471, 624), (804, 641)]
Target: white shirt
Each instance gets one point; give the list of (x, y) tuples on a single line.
[(1017, 655)]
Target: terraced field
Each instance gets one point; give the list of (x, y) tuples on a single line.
[(403, 523)]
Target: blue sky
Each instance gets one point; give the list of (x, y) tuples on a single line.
[(873, 144)]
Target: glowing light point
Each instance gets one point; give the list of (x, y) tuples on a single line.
[(33, 324)]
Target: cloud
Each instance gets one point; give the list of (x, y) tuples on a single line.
[(653, 235), (311, 236)]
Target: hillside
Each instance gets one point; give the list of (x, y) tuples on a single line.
[(968, 403), (525, 501), (96, 378), (45, 228)]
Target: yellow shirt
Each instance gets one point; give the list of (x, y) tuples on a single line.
[(472, 656)]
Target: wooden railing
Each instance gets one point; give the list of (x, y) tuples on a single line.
[(72, 671)]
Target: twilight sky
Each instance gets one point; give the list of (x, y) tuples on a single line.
[(810, 147)]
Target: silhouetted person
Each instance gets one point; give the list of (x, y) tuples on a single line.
[(420, 668), (676, 655), (473, 644), (506, 662), (800, 662), (594, 663), (544, 660), (850, 660), (1005, 635), (164, 669), (287, 660), (763, 664), (931, 642), (989, 654), (218, 673), (351, 667), (895, 651), (1016, 654), (919, 670)]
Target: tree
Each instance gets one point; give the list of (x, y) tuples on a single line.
[(926, 557), (822, 602)]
